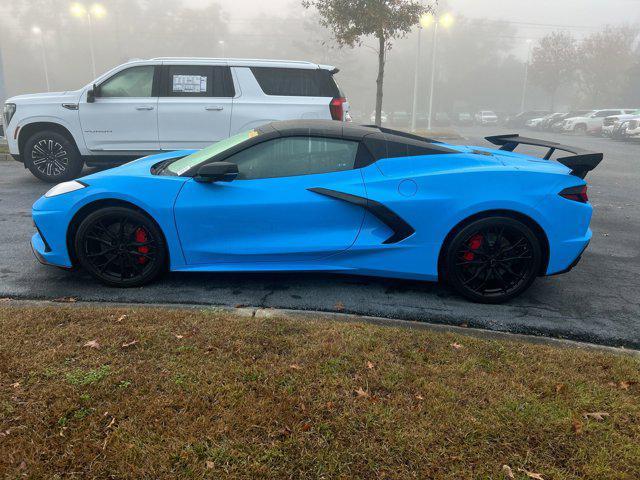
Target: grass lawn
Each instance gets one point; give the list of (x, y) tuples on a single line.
[(147, 393)]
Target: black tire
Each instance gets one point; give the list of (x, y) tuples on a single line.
[(52, 157), (580, 129), (121, 247), (492, 260)]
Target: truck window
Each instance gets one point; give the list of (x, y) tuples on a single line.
[(296, 82), (132, 82), (199, 81)]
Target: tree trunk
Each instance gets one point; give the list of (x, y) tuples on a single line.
[(380, 79)]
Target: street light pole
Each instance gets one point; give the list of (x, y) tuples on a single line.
[(38, 32), (97, 11), (433, 72), (93, 54), (526, 77), (415, 82)]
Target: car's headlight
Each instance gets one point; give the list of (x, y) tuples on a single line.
[(9, 110), (65, 187)]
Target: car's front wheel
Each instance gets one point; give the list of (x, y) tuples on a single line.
[(52, 157), (120, 247), (493, 259)]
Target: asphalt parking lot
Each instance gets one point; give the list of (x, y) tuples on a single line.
[(598, 302)]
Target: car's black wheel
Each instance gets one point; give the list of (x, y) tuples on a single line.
[(493, 259), (120, 247), (580, 129), (52, 157)]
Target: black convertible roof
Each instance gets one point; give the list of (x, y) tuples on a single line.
[(381, 142)]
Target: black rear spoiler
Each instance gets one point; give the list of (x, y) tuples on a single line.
[(581, 162)]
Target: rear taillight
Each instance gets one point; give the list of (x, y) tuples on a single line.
[(577, 194), (336, 107)]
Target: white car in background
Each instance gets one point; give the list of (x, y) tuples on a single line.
[(591, 123), (632, 131), (612, 125), (149, 106), (534, 122), (486, 117)]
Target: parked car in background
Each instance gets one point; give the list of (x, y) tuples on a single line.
[(612, 122), (519, 120), (591, 123), (442, 119), (533, 123), (384, 118), (547, 121), (486, 117), (148, 106), (556, 125), (464, 118), (632, 130)]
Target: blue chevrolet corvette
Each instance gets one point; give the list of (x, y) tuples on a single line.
[(328, 196)]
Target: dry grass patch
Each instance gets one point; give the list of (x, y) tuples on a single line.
[(150, 393)]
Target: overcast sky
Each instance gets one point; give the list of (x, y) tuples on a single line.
[(577, 13)]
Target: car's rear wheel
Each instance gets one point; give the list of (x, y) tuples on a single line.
[(120, 247), (52, 157), (493, 259)]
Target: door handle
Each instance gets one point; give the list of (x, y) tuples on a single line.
[(144, 107), (215, 108)]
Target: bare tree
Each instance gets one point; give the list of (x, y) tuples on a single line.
[(553, 63), (352, 20), (604, 60)]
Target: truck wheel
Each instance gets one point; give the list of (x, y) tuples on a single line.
[(580, 129), (52, 157)]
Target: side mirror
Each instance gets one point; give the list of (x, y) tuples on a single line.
[(91, 93), (217, 172)]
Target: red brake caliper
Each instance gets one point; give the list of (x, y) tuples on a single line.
[(141, 237), (474, 244)]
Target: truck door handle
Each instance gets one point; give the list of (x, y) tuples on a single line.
[(144, 107), (215, 108)]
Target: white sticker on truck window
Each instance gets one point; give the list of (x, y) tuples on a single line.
[(189, 84)]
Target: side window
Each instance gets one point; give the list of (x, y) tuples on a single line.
[(132, 82), (296, 82), (199, 81), (292, 156)]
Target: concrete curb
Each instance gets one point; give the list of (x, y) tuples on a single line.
[(258, 312)]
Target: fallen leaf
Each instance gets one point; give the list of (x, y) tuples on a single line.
[(15, 385), (23, 465), (295, 366), (306, 427), (456, 345), (370, 365), (362, 393), (599, 416), (535, 476), (506, 469), (130, 344), (121, 318), (419, 397), (624, 385), (577, 426), (560, 387), (178, 336), (210, 464), (92, 344), (339, 306), (65, 300)]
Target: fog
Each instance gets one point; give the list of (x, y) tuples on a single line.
[(480, 61)]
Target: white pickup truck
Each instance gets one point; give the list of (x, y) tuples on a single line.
[(147, 106)]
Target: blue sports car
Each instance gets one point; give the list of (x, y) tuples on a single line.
[(328, 196)]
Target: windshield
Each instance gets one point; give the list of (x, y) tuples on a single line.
[(184, 164)]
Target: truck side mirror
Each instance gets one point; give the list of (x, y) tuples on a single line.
[(91, 93)]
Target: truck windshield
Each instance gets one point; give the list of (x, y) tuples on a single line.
[(184, 164)]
